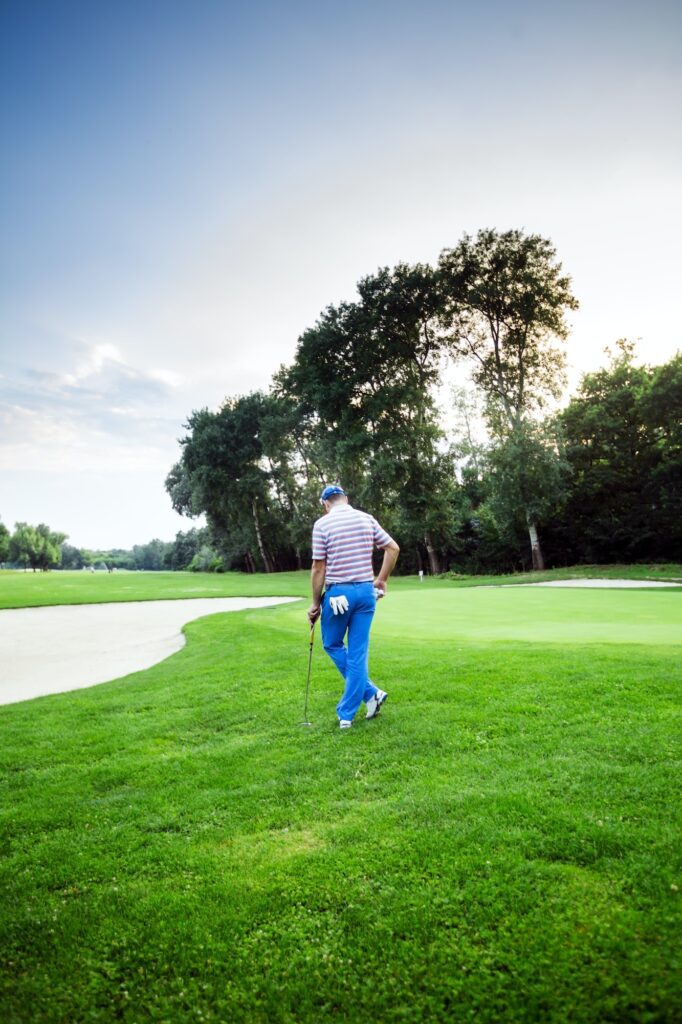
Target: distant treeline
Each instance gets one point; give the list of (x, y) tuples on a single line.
[(39, 548), (509, 482), (190, 550)]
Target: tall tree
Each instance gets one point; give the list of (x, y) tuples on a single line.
[(363, 379), (505, 301), (234, 468)]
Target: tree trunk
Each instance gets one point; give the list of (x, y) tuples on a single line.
[(536, 550), (433, 555), (420, 561), (261, 547), (250, 564), (299, 560)]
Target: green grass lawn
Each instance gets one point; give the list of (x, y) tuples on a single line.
[(34, 589), (29, 589), (501, 844)]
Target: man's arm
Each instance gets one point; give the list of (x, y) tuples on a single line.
[(391, 552), (317, 574)]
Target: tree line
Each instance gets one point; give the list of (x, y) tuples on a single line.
[(39, 548), (598, 480)]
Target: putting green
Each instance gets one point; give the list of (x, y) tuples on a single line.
[(533, 615)]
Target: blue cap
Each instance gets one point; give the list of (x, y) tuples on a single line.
[(329, 491)]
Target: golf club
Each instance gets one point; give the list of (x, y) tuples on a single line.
[(307, 685)]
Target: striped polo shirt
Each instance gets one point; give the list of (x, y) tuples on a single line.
[(345, 538)]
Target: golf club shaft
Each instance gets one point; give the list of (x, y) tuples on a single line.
[(310, 662)]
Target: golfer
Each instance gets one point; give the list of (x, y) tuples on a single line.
[(343, 542)]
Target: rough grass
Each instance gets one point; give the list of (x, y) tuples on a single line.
[(501, 844)]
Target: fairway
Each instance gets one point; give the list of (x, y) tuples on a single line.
[(501, 844), (30, 590)]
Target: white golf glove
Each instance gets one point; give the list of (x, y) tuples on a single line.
[(339, 605)]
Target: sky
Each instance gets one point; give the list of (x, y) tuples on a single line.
[(184, 187)]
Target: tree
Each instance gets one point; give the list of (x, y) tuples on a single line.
[(495, 475), (363, 380), (624, 444), (661, 406), (35, 546), (194, 550), (206, 559), (223, 472), (23, 544), (183, 549), (149, 556), (527, 479), (49, 547), (4, 543), (71, 558), (294, 478), (505, 300)]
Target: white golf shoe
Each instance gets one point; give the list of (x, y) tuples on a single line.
[(344, 723), (374, 703)]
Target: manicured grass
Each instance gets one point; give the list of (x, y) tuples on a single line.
[(536, 615), (28, 589), (501, 844)]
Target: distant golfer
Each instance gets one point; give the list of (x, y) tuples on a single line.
[(343, 542)]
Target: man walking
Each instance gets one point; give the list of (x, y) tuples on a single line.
[(343, 542)]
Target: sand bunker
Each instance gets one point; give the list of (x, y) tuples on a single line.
[(55, 649)]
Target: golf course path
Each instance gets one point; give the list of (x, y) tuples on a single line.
[(68, 647)]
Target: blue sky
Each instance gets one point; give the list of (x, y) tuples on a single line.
[(184, 186)]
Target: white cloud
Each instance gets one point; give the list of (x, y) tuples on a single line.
[(102, 413), (96, 356)]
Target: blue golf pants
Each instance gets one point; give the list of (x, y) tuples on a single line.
[(351, 661)]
